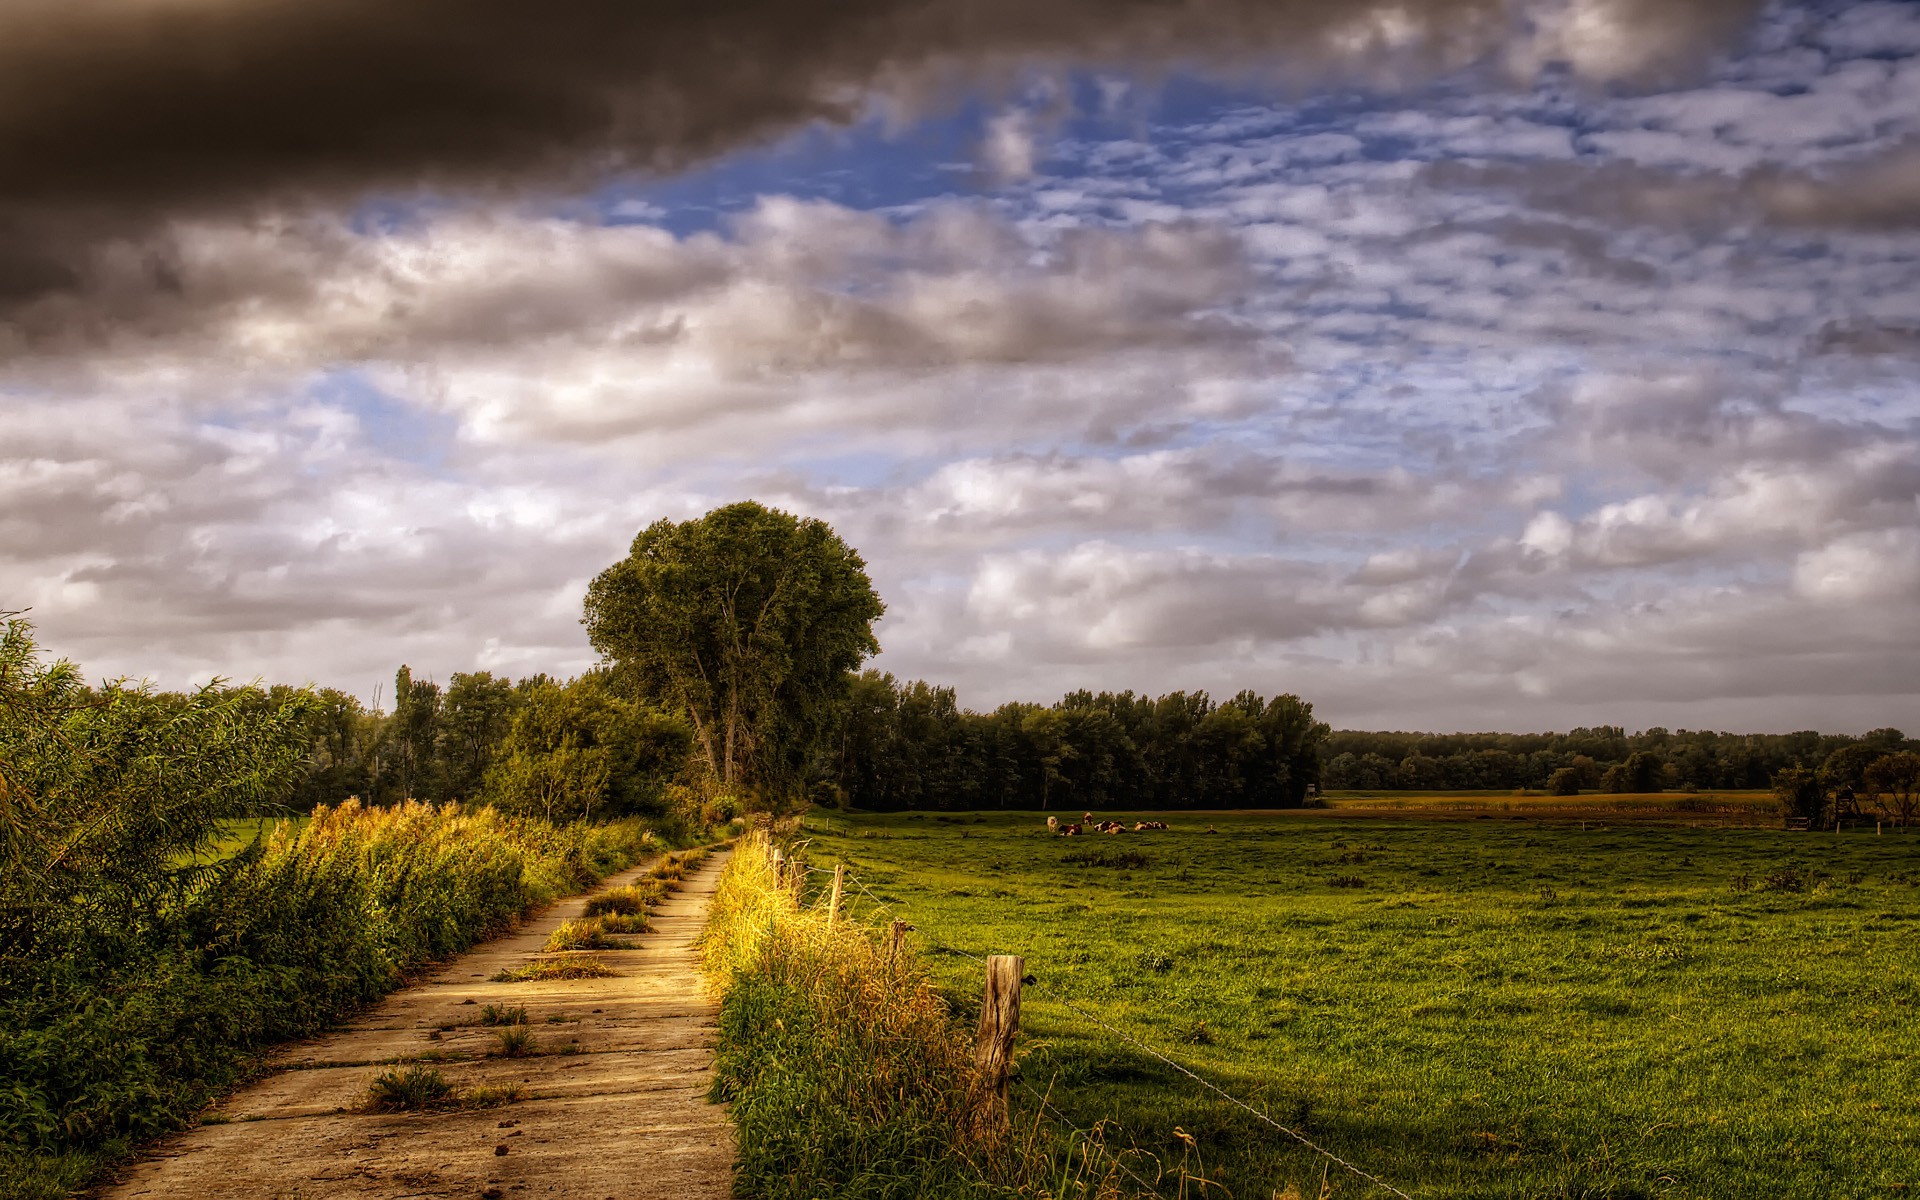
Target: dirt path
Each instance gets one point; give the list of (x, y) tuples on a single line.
[(624, 1115)]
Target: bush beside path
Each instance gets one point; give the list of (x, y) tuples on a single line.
[(571, 1087)]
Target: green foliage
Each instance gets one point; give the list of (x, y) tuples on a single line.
[(578, 751), (277, 942), (1565, 781), (104, 793), (1893, 783), (477, 712), (136, 976), (1799, 792), (1638, 774), (584, 751), (844, 1071), (25, 1175), (1358, 760), (1650, 1031), (912, 746), (1845, 769), (749, 621)]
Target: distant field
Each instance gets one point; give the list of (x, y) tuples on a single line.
[(238, 832), (1467, 1008), (1703, 808)]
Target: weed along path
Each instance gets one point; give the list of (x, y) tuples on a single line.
[(608, 1101)]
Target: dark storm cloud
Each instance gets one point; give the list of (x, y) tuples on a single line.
[(1879, 192), (1866, 338), (115, 114)]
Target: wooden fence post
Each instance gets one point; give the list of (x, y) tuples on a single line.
[(899, 934), (999, 1022), (839, 882)]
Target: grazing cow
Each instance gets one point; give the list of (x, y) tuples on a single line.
[(1053, 824)]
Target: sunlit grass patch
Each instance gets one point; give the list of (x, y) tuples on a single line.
[(635, 923), (425, 1089), (504, 1014), (632, 900), (487, 1095), (584, 935), (515, 1041), (571, 967), (409, 1089)]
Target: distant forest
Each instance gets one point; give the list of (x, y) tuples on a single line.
[(1606, 758), (909, 745), (580, 748)]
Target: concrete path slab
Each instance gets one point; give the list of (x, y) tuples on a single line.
[(612, 1108)]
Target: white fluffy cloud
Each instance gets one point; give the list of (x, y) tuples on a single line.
[(1460, 412)]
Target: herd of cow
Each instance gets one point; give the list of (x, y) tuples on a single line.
[(1086, 824)]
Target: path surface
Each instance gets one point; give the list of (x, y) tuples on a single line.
[(624, 1117)]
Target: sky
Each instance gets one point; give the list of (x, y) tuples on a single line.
[(1458, 365)]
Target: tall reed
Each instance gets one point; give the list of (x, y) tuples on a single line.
[(847, 1070)]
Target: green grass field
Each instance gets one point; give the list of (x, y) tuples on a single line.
[(1682, 808), (236, 833), (1472, 1008)]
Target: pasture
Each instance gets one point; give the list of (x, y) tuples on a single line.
[(234, 834), (1467, 1008), (1715, 809)]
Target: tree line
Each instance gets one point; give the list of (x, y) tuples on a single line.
[(1604, 758), (567, 750), (910, 745)]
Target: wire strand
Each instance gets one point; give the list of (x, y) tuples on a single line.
[(1204, 1082)]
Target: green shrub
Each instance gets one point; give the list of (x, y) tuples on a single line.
[(501, 1014)]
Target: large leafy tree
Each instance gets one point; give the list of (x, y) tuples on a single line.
[(1893, 781), (748, 620), (477, 711)]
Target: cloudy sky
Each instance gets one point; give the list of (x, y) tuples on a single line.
[(1457, 365)]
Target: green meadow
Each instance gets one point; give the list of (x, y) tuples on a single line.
[(1490, 1007), (235, 834)]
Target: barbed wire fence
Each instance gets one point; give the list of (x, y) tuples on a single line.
[(1215, 1089)]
